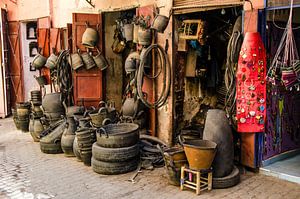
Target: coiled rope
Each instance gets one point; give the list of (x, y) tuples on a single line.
[(165, 70)]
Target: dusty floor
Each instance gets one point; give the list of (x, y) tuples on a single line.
[(25, 172)]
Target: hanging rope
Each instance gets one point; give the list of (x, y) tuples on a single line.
[(166, 71)]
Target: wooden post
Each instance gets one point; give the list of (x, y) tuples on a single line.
[(198, 188), (182, 178), (209, 179)]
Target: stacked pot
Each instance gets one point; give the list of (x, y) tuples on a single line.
[(116, 150), (85, 137), (23, 111), (35, 124)]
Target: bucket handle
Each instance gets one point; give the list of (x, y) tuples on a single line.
[(106, 121), (103, 110), (102, 103), (102, 130)]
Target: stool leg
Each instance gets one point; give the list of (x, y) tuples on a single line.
[(209, 178), (181, 178), (198, 183)]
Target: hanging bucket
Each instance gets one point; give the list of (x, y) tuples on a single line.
[(75, 60), (90, 37), (88, 60), (39, 61), (200, 153), (135, 33), (132, 62), (51, 61), (100, 61), (42, 81), (160, 23), (128, 32), (144, 36)]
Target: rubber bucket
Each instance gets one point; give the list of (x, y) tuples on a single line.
[(200, 153)]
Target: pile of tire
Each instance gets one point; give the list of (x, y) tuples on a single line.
[(217, 129), (85, 137), (117, 149)]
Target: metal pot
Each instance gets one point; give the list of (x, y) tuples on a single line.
[(90, 37), (144, 36), (24, 125), (52, 103), (160, 23), (88, 60), (128, 32), (51, 61), (132, 62), (75, 60), (100, 61), (39, 61), (23, 109), (118, 135)]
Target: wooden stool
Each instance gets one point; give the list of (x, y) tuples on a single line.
[(197, 180)]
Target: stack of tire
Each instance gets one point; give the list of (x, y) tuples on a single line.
[(85, 137), (117, 149), (217, 129), (51, 143), (23, 111)]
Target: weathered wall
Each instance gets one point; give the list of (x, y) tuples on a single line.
[(114, 73), (26, 9)]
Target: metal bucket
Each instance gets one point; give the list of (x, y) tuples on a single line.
[(128, 32), (160, 23), (144, 36), (88, 60), (51, 61), (132, 62), (39, 61), (75, 60), (90, 37), (42, 81), (200, 153), (100, 61)]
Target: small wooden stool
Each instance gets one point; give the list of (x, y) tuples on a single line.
[(197, 180)]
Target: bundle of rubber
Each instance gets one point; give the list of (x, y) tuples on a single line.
[(116, 150), (217, 129)]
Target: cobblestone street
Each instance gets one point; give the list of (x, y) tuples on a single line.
[(25, 172)]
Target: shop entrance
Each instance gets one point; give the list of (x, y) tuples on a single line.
[(281, 151), (203, 80)]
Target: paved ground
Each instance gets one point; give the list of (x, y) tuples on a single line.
[(25, 172)]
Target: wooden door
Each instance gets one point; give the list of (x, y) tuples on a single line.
[(56, 40), (88, 84), (15, 62), (43, 38), (5, 101)]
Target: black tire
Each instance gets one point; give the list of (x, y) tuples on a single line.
[(217, 129), (115, 154), (228, 181), (51, 148), (112, 168)]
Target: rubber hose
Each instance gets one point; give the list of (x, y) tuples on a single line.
[(166, 69)]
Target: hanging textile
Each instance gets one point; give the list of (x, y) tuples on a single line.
[(251, 86), (285, 67)]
